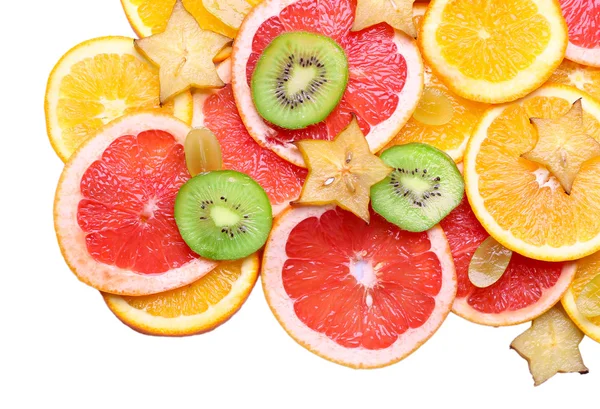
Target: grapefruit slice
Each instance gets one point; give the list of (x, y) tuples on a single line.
[(526, 290), (192, 309), (113, 210), (216, 110), (385, 80), (361, 295), (583, 20)]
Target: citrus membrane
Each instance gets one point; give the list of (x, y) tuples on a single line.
[(488, 263), (588, 302), (202, 151)]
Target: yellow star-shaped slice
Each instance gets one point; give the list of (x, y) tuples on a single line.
[(551, 346), (341, 171), (184, 54), (563, 145), (397, 13)]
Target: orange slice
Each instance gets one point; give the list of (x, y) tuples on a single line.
[(443, 120), (97, 81), (588, 269), (195, 308), (585, 78), (518, 201), (484, 52)]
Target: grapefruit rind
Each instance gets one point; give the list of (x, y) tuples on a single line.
[(584, 56), (183, 104), (504, 237), (379, 134), (184, 325), (549, 298), (71, 238), (282, 305), (589, 328)]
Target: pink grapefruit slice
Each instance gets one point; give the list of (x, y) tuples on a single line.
[(385, 80), (583, 20), (526, 290), (361, 295), (113, 209)]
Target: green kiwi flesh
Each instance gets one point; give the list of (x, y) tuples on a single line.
[(299, 79), (223, 215), (423, 188)]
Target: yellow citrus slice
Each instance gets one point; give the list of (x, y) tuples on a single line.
[(149, 17), (519, 202), (195, 308), (483, 52), (442, 118), (588, 269), (98, 81), (585, 78)]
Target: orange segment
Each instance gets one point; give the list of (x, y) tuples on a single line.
[(518, 201), (585, 78)]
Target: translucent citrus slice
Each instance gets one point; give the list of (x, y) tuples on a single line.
[(518, 201), (202, 151), (397, 13), (585, 78), (195, 308), (588, 302), (229, 12), (489, 262), (97, 81)]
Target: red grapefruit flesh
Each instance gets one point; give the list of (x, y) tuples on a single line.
[(114, 208), (362, 295), (583, 20), (527, 289), (281, 180), (385, 79)]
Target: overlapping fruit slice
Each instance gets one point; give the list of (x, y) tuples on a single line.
[(519, 201), (527, 288), (362, 295), (580, 76), (113, 211), (385, 72), (583, 20)]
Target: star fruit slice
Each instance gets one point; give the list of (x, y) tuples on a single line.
[(551, 346), (488, 263), (397, 13), (588, 302), (341, 171), (202, 151), (230, 12), (563, 145), (184, 54)]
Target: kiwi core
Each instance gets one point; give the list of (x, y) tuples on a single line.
[(223, 216)]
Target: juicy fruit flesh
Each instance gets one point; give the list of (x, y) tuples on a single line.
[(435, 108), (377, 73), (224, 216), (126, 209), (230, 12), (363, 291), (587, 269), (585, 78), (583, 20), (485, 31), (191, 299), (516, 192), (281, 180), (202, 151), (522, 284), (299, 79), (588, 302), (488, 263)]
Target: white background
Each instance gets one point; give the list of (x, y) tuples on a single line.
[(62, 348)]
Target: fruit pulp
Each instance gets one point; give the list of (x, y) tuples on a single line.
[(583, 20)]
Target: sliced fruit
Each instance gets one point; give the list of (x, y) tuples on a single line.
[(423, 188), (385, 73), (518, 201), (97, 81), (583, 20), (184, 54), (361, 295), (588, 269), (223, 215), (551, 346), (229, 12), (113, 210), (442, 118), (202, 151), (397, 13), (588, 302), (484, 53), (299, 79), (217, 111), (193, 309), (585, 78), (527, 289), (489, 262), (341, 172)]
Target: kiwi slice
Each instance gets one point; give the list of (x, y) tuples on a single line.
[(223, 215), (423, 188), (299, 79)]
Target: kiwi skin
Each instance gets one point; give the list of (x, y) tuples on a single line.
[(439, 187)]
